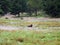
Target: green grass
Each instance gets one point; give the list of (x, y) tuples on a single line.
[(29, 38), (23, 37)]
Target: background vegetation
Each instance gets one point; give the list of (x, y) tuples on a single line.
[(51, 7)]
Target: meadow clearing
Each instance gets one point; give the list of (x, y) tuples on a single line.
[(44, 31)]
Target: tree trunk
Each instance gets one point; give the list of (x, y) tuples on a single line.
[(18, 15), (30, 13), (35, 12)]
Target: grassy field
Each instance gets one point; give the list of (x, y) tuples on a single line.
[(23, 23), (30, 37)]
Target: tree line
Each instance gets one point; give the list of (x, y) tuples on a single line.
[(51, 7)]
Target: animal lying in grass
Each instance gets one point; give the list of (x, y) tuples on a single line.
[(30, 25), (6, 18)]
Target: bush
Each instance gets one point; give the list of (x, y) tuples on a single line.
[(52, 7), (1, 12)]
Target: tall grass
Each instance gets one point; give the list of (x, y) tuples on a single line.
[(29, 38)]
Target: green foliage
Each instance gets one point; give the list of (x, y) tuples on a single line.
[(13, 6), (18, 6), (1, 11), (34, 5), (52, 7), (4, 6)]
